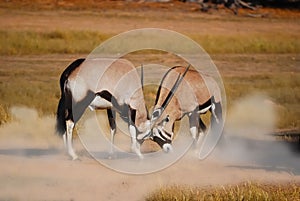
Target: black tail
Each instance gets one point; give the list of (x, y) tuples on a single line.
[(60, 117), (63, 105)]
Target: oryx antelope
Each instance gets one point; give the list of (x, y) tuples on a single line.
[(102, 84), (184, 92)]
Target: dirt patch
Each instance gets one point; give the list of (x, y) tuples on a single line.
[(34, 166)]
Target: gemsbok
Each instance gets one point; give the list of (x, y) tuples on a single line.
[(108, 84), (183, 91)]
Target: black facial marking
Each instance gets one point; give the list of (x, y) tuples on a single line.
[(164, 138), (159, 141)]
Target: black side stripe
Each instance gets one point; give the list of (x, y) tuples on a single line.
[(122, 109), (205, 105)]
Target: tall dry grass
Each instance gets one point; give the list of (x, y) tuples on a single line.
[(14, 42), (58, 41), (242, 192)]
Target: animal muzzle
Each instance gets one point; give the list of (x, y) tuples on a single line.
[(167, 148)]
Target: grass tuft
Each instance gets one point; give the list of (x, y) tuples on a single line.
[(242, 192)]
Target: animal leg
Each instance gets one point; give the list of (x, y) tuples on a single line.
[(135, 145), (68, 139), (201, 131), (194, 125), (216, 111), (112, 123), (65, 139)]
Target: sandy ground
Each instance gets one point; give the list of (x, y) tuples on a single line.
[(40, 174), (36, 168)]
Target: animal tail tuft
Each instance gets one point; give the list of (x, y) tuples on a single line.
[(62, 109), (60, 117)]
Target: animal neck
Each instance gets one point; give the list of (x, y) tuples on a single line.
[(141, 121)]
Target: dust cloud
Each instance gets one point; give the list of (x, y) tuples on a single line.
[(247, 141), (27, 130), (33, 165)]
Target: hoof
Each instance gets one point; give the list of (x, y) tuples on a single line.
[(111, 155), (74, 157), (141, 156)]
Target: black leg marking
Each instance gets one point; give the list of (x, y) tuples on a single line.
[(132, 116), (79, 107), (202, 126), (193, 119), (68, 102), (111, 114)]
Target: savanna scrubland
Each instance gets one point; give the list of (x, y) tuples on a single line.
[(258, 59)]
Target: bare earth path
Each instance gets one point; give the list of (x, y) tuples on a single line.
[(36, 173)]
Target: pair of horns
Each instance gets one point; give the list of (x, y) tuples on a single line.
[(158, 112), (173, 90)]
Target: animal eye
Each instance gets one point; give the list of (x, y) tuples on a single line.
[(167, 118)]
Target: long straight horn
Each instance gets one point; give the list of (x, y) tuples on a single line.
[(174, 88), (142, 76)]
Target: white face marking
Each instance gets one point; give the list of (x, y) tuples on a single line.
[(167, 148), (164, 134)]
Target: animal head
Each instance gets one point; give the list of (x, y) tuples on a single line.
[(161, 127), (162, 136)]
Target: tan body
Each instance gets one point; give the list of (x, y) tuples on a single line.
[(103, 84), (195, 95)]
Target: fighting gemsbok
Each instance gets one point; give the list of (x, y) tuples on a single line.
[(183, 91), (108, 84)]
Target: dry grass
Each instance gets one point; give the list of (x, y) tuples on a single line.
[(249, 43), (242, 192), (59, 41), (70, 42), (29, 83), (282, 88), (35, 84)]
